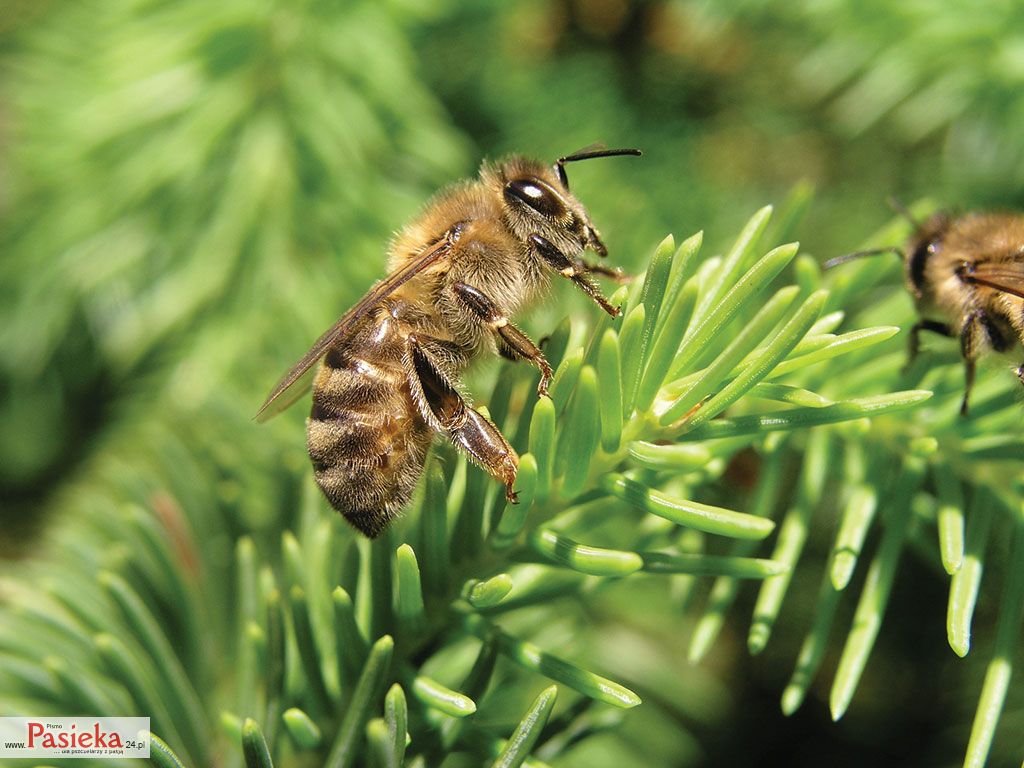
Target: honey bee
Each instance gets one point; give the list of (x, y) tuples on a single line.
[(966, 275), (389, 380)]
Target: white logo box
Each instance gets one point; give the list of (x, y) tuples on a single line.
[(68, 737)]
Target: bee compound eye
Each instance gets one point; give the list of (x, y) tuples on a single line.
[(535, 194)]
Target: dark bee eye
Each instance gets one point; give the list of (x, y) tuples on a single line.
[(535, 194), (919, 259)]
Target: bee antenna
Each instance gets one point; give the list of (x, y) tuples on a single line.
[(589, 153), (860, 255), (903, 211)]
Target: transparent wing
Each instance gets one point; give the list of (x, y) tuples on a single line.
[(298, 378), (1007, 277)]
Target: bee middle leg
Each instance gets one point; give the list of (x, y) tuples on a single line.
[(468, 429), (568, 268), (968, 347), (512, 343)]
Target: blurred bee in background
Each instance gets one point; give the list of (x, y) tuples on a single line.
[(966, 274), (390, 375)]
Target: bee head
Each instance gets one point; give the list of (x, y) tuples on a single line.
[(925, 243), (538, 201)]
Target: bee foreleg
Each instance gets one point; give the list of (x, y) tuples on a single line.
[(468, 429), (567, 268), (512, 342), (914, 340)]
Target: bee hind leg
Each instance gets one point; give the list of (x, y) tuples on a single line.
[(512, 343), (481, 440), (468, 429)]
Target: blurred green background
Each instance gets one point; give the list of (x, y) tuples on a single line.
[(191, 191)]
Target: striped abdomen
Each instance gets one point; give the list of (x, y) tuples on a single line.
[(366, 438)]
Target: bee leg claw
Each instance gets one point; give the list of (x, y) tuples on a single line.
[(511, 496), (545, 380)]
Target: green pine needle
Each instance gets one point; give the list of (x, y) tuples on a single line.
[(703, 517), (254, 746), (433, 694), (396, 717), (346, 746), (301, 728), (161, 755), (966, 582), (488, 593), (528, 731)]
